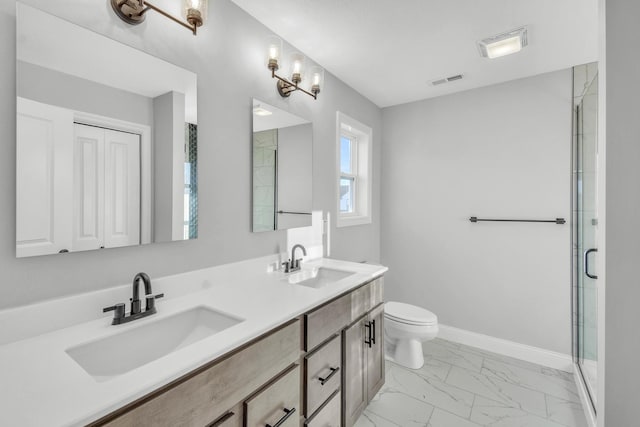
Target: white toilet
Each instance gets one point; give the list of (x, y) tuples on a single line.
[(406, 327)]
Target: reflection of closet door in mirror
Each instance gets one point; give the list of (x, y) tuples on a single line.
[(106, 188), (122, 189), (43, 179), (88, 187)]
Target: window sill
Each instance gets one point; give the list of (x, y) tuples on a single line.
[(347, 221)]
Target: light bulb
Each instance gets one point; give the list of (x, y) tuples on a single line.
[(297, 67), (273, 52), (274, 48), (195, 11), (317, 79)]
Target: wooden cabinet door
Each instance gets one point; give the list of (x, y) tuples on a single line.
[(375, 352), (354, 372)]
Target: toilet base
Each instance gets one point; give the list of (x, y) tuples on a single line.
[(408, 353)]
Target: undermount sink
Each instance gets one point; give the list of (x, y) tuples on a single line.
[(317, 277), (120, 353)]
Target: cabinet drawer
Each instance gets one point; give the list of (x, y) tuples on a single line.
[(326, 321), (365, 298), (203, 396), (329, 416), (277, 404), (232, 418), (323, 371)]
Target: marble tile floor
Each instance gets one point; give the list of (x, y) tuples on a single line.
[(461, 386)]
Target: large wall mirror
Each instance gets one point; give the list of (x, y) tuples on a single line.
[(106, 142), (282, 147)]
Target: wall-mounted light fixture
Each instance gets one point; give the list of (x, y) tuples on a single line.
[(315, 77), (133, 12), (504, 44)]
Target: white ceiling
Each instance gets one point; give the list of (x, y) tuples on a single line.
[(390, 50)]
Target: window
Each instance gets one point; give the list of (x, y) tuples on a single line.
[(354, 171)]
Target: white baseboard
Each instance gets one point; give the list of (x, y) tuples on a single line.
[(529, 353), (584, 399)]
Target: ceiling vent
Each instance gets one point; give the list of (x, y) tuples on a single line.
[(447, 80)]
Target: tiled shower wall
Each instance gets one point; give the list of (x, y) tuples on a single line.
[(265, 146)]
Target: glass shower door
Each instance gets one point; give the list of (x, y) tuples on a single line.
[(585, 237)]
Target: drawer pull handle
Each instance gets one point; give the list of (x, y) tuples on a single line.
[(373, 331), (221, 420), (324, 380), (368, 340), (288, 413)]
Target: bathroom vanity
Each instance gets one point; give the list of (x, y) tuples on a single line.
[(293, 352)]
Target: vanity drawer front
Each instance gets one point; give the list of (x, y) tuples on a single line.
[(279, 402), (203, 396), (323, 371), (329, 416), (326, 321), (365, 298)]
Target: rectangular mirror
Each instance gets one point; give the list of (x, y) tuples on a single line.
[(106, 141), (282, 147)]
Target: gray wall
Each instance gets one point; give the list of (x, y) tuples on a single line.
[(55, 88), (294, 175), (622, 244), (228, 55), (500, 151), (168, 166)]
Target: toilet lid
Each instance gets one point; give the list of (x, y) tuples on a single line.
[(410, 314)]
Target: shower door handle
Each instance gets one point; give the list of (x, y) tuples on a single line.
[(585, 264)]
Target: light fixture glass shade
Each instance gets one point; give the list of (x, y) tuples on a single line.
[(503, 44), (195, 11), (274, 52), (316, 83), (297, 67)]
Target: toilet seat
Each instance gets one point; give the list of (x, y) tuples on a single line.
[(409, 314)]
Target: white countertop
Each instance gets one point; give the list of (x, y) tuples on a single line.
[(40, 384)]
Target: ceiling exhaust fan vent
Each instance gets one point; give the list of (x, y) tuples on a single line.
[(447, 80)]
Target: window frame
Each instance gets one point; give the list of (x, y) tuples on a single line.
[(361, 136), (353, 175)]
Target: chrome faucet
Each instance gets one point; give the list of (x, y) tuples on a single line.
[(120, 316), (293, 264)]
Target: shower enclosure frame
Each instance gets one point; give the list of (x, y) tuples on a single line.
[(578, 247)]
